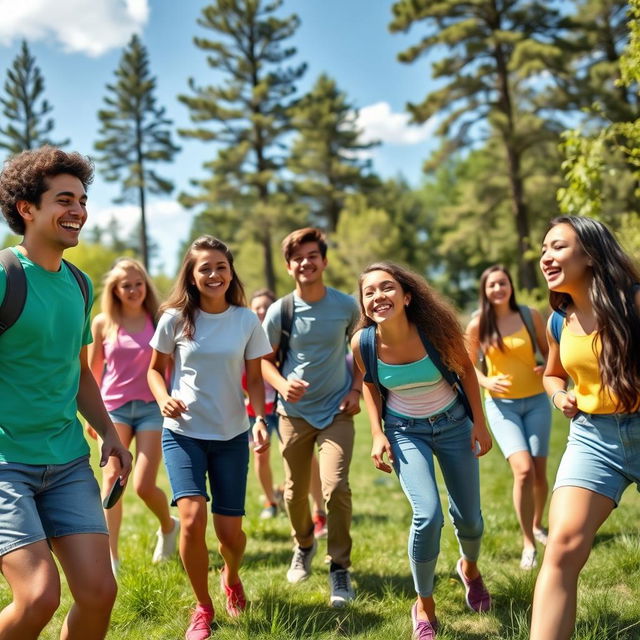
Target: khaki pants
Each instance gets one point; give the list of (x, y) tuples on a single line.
[(335, 448)]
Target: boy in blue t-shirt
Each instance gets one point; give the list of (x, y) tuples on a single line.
[(49, 498), (318, 397)]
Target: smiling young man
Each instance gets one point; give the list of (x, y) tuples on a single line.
[(318, 397), (49, 498)]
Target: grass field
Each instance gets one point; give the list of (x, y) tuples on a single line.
[(154, 601)]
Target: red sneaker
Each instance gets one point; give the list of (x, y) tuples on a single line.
[(200, 625), (236, 600), (319, 525)]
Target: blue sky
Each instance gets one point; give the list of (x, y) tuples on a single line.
[(78, 43)]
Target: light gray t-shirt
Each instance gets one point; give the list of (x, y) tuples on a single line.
[(207, 370), (317, 350)]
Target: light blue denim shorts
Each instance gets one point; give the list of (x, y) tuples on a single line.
[(139, 415), (520, 424), (47, 501), (602, 454)]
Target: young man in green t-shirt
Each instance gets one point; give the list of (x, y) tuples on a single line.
[(49, 498)]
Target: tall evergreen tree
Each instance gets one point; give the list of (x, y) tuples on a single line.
[(248, 113), (326, 157), (493, 50), (28, 126), (134, 134)]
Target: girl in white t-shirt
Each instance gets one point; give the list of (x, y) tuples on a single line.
[(210, 336)]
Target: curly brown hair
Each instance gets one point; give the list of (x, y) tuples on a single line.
[(24, 177)]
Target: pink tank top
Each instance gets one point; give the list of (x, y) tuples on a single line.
[(127, 360)]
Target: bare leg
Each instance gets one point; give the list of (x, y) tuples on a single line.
[(262, 468), (426, 609), (148, 456), (193, 545), (315, 488), (575, 515), (232, 542), (84, 558), (33, 578), (540, 491), (523, 501)]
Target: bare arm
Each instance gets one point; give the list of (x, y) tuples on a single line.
[(169, 406), (480, 438), (291, 390), (96, 349), (555, 379), (255, 389), (497, 384)]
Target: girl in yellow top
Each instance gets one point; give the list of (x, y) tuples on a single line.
[(516, 405), (594, 285)]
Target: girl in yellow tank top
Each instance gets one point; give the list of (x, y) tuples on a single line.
[(516, 405), (593, 284)]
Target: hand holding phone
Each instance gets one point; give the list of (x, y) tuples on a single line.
[(114, 494)]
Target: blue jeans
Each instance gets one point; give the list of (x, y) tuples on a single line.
[(414, 443)]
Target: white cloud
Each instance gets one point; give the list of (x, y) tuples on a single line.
[(378, 122), (91, 27)]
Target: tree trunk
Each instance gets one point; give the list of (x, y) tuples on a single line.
[(144, 249)]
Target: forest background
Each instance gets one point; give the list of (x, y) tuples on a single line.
[(530, 110)]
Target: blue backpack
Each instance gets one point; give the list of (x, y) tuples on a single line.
[(369, 354)]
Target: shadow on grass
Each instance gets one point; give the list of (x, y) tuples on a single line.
[(374, 585), (269, 557), (373, 518)]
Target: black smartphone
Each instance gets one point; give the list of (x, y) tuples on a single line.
[(114, 494)]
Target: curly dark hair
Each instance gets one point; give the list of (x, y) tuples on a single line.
[(24, 177)]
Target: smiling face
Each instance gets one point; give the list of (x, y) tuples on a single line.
[(212, 276), (564, 263), (130, 288), (497, 288), (57, 220), (382, 296), (306, 264)]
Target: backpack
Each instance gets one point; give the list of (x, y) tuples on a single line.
[(286, 324), (369, 354), (15, 294)]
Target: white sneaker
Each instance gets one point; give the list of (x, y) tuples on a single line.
[(341, 589), (529, 559), (300, 568), (167, 542), (541, 536)]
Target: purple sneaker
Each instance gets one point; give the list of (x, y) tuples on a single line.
[(422, 629), (476, 594)]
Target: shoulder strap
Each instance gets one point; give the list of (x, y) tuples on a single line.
[(527, 319), (557, 320), (82, 283), (286, 324), (369, 355), (15, 294)]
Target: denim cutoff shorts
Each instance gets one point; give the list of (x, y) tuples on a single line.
[(38, 502), (139, 415), (602, 454), (272, 425), (190, 460), (520, 424)]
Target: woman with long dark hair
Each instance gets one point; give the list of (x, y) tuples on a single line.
[(594, 339), (420, 383), (509, 337)]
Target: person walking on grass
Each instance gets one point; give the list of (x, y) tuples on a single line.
[(594, 339), (511, 338), (209, 336), (119, 358), (49, 497), (259, 302), (318, 397), (421, 385)]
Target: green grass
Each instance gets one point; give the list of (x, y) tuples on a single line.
[(154, 601)]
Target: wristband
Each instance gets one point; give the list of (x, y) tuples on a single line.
[(261, 419), (358, 390), (553, 397)]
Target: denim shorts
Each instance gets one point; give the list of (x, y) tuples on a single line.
[(47, 501), (190, 460), (520, 424), (602, 454), (272, 425), (139, 415)]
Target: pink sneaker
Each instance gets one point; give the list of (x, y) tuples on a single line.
[(476, 594), (200, 625), (236, 600), (422, 629)]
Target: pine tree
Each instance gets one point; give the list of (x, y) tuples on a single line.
[(24, 107), (248, 111), (134, 134), (327, 156)]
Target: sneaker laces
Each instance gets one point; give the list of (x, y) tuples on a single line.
[(340, 580), (200, 620), (298, 559)]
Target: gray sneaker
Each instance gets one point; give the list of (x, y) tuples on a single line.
[(341, 589), (300, 568)]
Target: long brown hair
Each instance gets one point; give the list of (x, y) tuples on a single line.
[(611, 294), (427, 310), (488, 331), (185, 296)]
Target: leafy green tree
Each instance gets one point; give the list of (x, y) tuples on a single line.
[(28, 126), (135, 134), (494, 55), (248, 117), (326, 156)]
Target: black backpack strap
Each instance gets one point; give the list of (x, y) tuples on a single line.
[(527, 319), (369, 355), (15, 294), (82, 283), (286, 324)]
